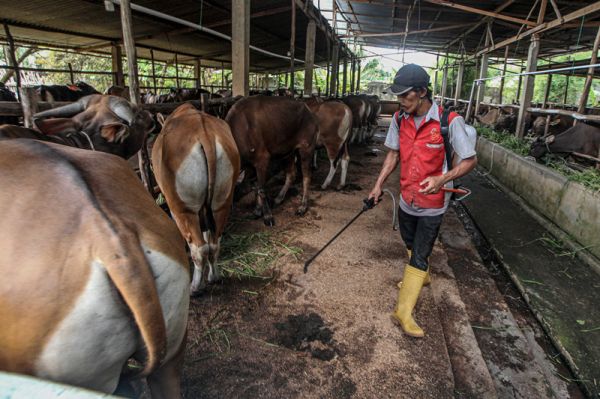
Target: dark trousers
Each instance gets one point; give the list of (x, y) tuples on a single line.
[(419, 234)]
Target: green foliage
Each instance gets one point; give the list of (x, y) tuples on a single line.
[(506, 140)]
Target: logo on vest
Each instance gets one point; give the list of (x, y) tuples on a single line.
[(435, 134)]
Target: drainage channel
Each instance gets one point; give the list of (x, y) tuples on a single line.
[(517, 305)]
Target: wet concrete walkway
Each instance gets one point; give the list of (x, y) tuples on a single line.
[(559, 288)]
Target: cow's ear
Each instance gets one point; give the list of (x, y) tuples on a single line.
[(160, 118), (57, 125), (549, 139), (114, 132)]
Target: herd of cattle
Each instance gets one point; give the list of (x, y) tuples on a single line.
[(110, 269), (551, 134)]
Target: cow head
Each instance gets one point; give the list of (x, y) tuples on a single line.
[(540, 146), (107, 123)]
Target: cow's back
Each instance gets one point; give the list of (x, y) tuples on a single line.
[(273, 124)]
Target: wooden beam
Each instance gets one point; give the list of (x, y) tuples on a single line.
[(542, 12), (13, 59), (292, 45), (240, 52), (459, 82), (333, 84), (528, 84), (130, 52), (547, 91), (503, 73), (345, 76), (405, 33), (556, 10), (117, 65), (592, 8), (590, 76), (309, 56), (474, 10)]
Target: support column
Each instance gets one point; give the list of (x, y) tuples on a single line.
[(435, 76), (13, 60), (459, 82), (444, 83), (240, 50), (334, 71), (327, 75), (358, 67), (197, 73), (292, 46), (590, 76), (566, 94), (528, 84), (345, 77), (520, 84), (130, 52), (547, 92), (153, 71), (481, 86), (311, 34), (503, 73), (352, 73)]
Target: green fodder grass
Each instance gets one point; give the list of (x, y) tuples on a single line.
[(251, 254), (589, 177)]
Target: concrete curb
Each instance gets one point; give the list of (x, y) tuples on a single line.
[(567, 209)]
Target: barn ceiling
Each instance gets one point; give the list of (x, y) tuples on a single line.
[(87, 25)]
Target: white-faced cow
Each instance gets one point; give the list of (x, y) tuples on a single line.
[(266, 128), (335, 125), (196, 164), (581, 138), (94, 272)]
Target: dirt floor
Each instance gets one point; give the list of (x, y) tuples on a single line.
[(328, 333)]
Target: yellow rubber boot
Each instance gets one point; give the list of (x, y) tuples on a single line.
[(427, 280), (407, 298)]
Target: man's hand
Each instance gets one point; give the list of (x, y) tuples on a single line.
[(375, 194), (432, 184)]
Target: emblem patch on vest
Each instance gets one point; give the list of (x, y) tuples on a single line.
[(435, 134)]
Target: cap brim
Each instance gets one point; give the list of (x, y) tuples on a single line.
[(399, 90)]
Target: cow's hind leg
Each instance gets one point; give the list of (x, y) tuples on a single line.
[(329, 178), (189, 225), (305, 157), (290, 175), (345, 161), (262, 205)]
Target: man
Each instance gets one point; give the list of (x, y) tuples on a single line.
[(414, 139)]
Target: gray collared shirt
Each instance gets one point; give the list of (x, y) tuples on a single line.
[(462, 146)]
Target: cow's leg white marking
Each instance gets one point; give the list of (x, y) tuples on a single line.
[(200, 260), (329, 178), (345, 162), (214, 272)]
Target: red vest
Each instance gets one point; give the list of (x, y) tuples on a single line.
[(422, 154)]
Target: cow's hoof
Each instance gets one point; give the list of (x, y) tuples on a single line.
[(278, 201), (324, 186), (257, 213), (340, 187), (269, 221), (197, 293)]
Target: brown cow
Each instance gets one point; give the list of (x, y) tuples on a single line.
[(197, 164), (93, 275), (557, 124), (274, 127), (581, 138), (98, 122), (335, 125)]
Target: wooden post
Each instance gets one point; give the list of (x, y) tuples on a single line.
[(481, 86), (547, 92), (71, 76), (503, 73), (327, 91), (566, 94), (334, 71), (198, 72), (223, 75), (176, 71), (444, 83), (117, 65), (345, 76), (459, 82), (292, 45), (126, 22), (13, 59), (28, 104), (590, 76), (309, 58), (435, 75), (528, 84), (520, 84), (358, 76), (154, 86), (470, 107), (240, 32)]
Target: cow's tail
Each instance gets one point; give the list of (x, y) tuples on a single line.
[(126, 265), (210, 151)]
